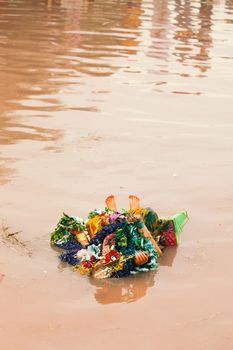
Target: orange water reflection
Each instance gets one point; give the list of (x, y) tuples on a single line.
[(132, 288), (127, 290), (194, 40)]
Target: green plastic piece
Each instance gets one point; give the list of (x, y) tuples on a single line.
[(179, 221)]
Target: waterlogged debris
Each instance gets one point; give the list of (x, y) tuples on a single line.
[(13, 240), (116, 244)]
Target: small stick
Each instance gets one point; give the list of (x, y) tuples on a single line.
[(146, 233)]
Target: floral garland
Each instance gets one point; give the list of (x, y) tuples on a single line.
[(106, 230)]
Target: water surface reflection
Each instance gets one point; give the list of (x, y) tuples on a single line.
[(193, 34), (132, 288), (82, 56), (123, 290)]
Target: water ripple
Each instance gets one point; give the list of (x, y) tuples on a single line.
[(165, 47)]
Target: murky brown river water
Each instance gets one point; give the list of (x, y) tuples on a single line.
[(121, 97)]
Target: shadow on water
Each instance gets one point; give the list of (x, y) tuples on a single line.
[(168, 256)]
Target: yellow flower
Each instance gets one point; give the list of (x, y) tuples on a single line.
[(119, 266)]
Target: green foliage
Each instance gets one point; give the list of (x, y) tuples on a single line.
[(120, 240), (150, 218), (94, 213), (64, 227)]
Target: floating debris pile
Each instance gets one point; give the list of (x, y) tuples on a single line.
[(116, 244)]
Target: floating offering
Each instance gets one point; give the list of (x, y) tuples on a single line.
[(116, 244)]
